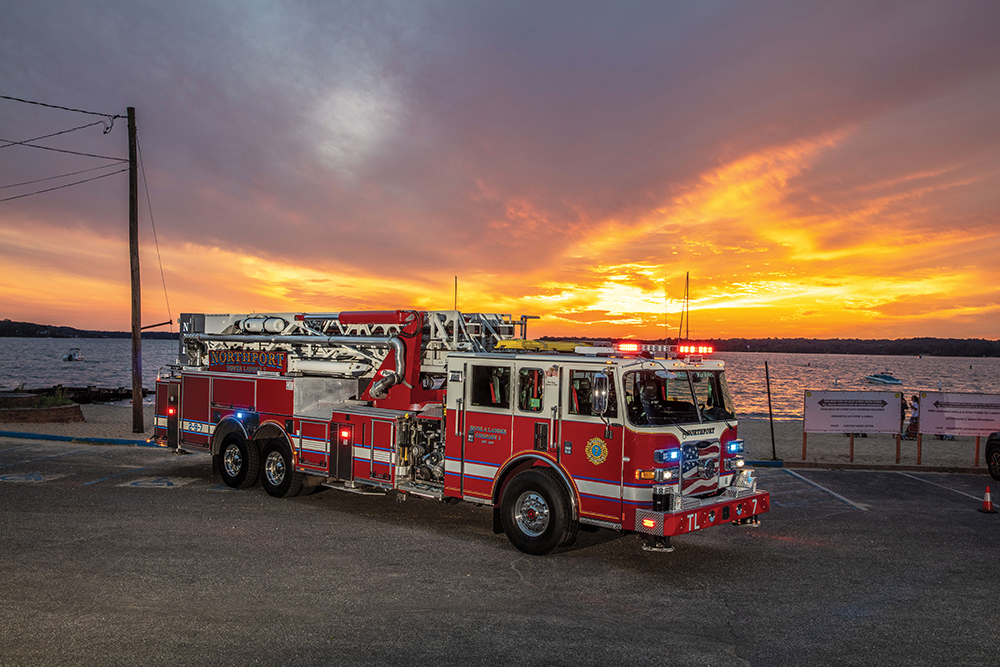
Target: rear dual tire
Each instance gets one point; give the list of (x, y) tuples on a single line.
[(239, 462), (278, 475)]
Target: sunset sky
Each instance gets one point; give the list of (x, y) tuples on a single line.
[(826, 170)]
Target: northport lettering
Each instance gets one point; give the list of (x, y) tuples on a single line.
[(247, 361)]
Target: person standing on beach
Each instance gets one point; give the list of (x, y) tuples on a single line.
[(913, 428), (902, 415)]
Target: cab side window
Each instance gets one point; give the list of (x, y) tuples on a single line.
[(491, 386), (530, 383), (580, 385)]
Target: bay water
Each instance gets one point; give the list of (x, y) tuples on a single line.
[(37, 363)]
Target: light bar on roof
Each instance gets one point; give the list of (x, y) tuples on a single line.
[(695, 348), (631, 347)]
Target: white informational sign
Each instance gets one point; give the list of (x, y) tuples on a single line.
[(959, 414), (852, 411)]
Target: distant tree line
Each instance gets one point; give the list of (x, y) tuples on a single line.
[(9, 329), (937, 347), (932, 347)]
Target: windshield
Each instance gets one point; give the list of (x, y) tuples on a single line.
[(657, 397)]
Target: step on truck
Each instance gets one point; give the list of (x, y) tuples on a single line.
[(451, 406)]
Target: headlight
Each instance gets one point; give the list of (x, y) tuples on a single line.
[(735, 463), (666, 474)]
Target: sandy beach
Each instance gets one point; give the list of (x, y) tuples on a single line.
[(875, 450), (115, 421), (102, 421)]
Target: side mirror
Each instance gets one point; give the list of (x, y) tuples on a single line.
[(599, 394)]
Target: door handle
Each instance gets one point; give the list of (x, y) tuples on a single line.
[(553, 436)]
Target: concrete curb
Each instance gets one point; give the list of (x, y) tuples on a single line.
[(767, 464), (70, 438)]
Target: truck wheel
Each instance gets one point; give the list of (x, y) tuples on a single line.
[(993, 456), (278, 476), (239, 462), (572, 530), (535, 512)]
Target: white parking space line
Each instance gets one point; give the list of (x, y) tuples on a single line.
[(826, 490), (940, 486), (127, 472), (4, 451), (44, 458)]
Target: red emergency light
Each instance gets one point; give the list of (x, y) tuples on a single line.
[(345, 433), (632, 347), (695, 348)]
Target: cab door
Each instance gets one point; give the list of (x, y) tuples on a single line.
[(486, 432), (589, 448), (536, 400)]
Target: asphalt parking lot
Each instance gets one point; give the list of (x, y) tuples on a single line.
[(127, 556)]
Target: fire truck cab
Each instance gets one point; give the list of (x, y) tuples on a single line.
[(454, 407)]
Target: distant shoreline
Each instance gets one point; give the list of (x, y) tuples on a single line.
[(911, 347), (908, 347), (9, 329)]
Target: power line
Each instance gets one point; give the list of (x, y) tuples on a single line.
[(66, 185), (61, 150), (156, 242), (52, 178), (55, 134), (56, 106)]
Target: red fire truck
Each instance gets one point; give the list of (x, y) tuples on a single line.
[(464, 407)]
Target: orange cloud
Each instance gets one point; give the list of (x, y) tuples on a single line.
[(766, 258)]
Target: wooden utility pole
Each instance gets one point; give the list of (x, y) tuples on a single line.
[(133, 248)]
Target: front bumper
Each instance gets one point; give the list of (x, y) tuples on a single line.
[(713, 512)]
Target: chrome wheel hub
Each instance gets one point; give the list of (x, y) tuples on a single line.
[(274, 468), (232, 460), (531, 513)]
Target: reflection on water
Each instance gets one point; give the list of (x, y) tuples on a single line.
[(37, 362)]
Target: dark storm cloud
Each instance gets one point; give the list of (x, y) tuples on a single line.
[(457, 137)]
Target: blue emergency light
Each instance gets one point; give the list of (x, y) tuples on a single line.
[(666, 455)]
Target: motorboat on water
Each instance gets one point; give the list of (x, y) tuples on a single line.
[(74, 354), (882, 378)]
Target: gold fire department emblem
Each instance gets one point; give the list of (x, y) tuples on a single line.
[(597, 451)]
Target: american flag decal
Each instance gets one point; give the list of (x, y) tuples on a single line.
[(700, 466)]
